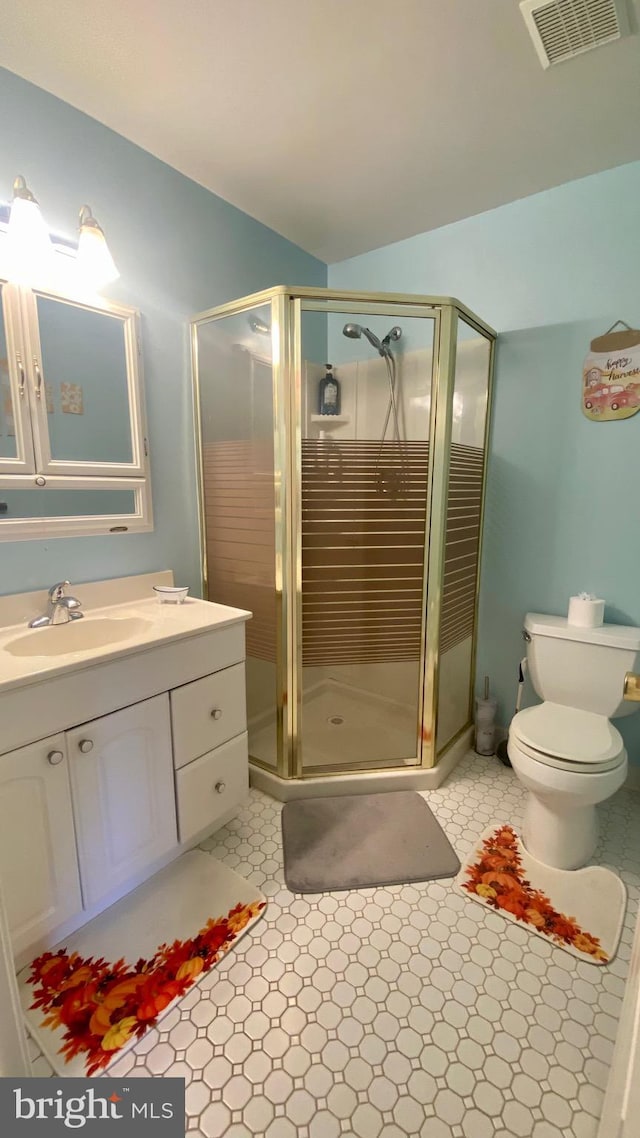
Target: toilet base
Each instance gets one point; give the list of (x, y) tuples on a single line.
[(564, 839)]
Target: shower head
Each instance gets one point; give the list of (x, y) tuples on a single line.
[(394, 334), (355, 331), (258, 325)]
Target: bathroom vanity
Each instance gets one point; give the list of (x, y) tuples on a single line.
[(122, 743)]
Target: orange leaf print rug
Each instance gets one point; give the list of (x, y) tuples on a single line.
[(90, 999), (580, 910)]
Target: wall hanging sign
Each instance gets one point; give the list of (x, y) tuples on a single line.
[(611, 375)]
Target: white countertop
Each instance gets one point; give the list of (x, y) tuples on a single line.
[(130, 597)]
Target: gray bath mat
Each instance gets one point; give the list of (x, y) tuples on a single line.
[(351, 841)]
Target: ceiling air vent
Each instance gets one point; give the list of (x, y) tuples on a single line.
[(561, 29)]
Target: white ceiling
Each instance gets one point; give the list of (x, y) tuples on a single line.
[(342, 124)]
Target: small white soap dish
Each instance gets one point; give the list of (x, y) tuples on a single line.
[(171, 594)]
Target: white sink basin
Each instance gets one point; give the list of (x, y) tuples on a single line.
[(76, 636)]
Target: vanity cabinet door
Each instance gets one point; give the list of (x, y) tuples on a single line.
[(123, 795), (38, 863)]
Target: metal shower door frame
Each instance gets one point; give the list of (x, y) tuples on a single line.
[(287, 304), (366, 304)]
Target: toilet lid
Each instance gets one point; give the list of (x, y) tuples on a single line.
[(568, 733)]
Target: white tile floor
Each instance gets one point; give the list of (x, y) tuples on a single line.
[(403, 1012)]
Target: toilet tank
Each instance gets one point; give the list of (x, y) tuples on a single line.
[(582, 667)]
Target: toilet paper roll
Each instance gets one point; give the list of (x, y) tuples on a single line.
[(585, 612)]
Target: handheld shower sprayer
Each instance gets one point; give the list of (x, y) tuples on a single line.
[(355, 331), (383, 348), (393, 334)]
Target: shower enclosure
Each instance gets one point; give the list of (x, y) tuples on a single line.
[(353, 537)]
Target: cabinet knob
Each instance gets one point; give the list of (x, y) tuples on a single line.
[(216, 713), (220, 787), (55, 757), (85, 746)]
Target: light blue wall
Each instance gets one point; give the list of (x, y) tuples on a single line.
[(548, 272), (180, 249)]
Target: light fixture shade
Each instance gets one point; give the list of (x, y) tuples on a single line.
[(28, 249), (95, 263)]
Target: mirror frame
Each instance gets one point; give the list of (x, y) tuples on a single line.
[(19, 306)]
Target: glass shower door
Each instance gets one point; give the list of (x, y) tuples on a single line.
[(362, 515), (240, 473), (464, 504)]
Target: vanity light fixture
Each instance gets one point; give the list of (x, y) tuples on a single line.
[(28, 249), (94, 260)]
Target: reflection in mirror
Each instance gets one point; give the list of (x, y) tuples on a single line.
[(84, 366), (8, 445), (54, 503)]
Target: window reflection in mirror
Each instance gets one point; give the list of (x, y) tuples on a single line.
[(54, 503)]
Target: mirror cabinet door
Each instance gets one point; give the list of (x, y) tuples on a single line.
[(84, 367), (16, 446)]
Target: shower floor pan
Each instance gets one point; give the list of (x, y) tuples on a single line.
[(347, 728)]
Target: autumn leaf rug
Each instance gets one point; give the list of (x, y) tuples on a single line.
[(580, 910), (90, 999)]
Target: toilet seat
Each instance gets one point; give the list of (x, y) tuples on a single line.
[(568, 738)]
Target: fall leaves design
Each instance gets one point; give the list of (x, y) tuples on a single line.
[(101, 1006), (498, 879)]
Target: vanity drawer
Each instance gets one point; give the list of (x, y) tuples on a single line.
[(207, 712), (211, 786)]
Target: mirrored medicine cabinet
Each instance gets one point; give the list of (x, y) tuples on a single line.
[(73, 444)]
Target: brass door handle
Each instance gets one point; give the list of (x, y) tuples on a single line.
[(631, 688)]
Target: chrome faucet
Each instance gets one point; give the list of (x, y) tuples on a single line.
[(60, 608)]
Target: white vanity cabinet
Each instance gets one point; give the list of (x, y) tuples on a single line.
[(123, 794), (114, 767), (38, 863), (209, 721)]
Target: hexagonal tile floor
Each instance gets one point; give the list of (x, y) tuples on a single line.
[(403, 1012)]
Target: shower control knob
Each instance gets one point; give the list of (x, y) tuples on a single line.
[(216, 713), (55, 757), (220, 787), (85, 746)]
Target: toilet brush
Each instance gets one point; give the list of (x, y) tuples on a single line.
[(485, 725)]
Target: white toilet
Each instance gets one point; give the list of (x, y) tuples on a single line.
[(565, 750)]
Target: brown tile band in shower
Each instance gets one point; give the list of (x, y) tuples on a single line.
[(363, 533), (464, 507), (239, 508), (363, 523)]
